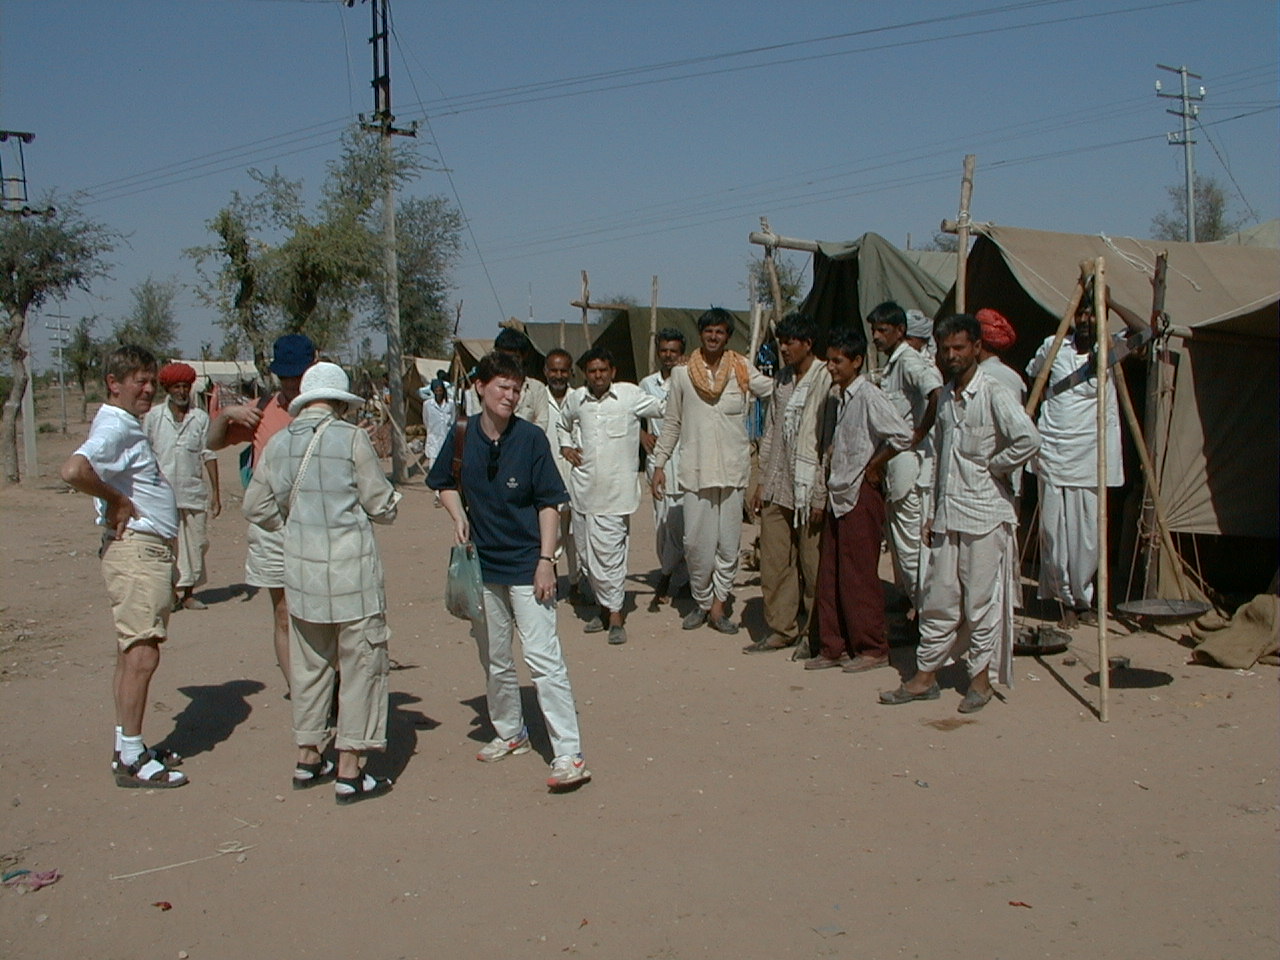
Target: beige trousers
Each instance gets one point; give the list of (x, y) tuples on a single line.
[(193, 544), (317, 653), (788, 570)]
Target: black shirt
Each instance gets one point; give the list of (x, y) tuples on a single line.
[(505, 484)]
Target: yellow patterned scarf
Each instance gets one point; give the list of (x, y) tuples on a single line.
[(700, 376)]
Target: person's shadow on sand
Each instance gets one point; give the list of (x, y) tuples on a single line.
[(211, 717), (402, 733)]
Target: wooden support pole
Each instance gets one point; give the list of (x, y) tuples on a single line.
[(962, 250), (653, 325), (586, 300), (1068, 315), (1102, 345), (1155, 383), (770, 239), (771, 270)]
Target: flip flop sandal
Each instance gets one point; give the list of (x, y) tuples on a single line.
[(363, 787), (131, 775), (313, 774), (973, 702)]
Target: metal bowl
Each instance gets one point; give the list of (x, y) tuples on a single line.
[(1164, 610)]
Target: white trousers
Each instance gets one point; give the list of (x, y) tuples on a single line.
[(910, 552), (603, 540), (507, 609), (712, 537), (1068, 544), (967, 608), (193, 544)]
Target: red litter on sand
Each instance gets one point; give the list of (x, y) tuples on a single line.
[(1020, 903), (163, 905)]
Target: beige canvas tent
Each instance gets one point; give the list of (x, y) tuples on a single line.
[(1217, 439)]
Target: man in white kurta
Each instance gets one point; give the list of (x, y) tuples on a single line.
[(707, 408), (1067, 466), (911, 382), (604, 483), (668, 510), (981, 436), (179, 433), (558, 369)]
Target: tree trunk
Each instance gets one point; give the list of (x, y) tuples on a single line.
[(13, 402)]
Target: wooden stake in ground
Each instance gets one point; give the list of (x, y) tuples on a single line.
[(962, 228), (1102, 342), (653, 325)]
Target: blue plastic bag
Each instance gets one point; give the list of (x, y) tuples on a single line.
[(464, 588)]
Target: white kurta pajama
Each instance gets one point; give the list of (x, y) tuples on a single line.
[(981, 436), (604, 488), (180, 450), (1067, 466), (668, 509), (567, 547), (714, 467), (907, 380)]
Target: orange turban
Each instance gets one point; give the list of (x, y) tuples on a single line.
[(997, 332), (174, 373)]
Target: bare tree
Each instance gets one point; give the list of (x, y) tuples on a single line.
[(1214, 217)]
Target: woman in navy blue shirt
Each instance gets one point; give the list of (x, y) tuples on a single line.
[(512, 489)]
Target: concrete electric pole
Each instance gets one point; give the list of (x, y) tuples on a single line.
[(383, 121), (1188, 113)]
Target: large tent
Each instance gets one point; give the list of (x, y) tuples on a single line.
[(627, 335), (851, 279), (1217, 441), (421, 371)]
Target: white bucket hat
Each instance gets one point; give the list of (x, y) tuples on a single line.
[(324, 381)]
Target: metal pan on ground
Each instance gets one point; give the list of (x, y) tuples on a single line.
[(1161, 610), (1041, 641)]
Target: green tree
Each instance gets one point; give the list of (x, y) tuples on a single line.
[(83, 356), (429, 243), (41, 257), (1214, 217), (942, 242), (790, 281), (151, 323)]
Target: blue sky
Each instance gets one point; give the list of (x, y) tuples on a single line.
[(680, 125)]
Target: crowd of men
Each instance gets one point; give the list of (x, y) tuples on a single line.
[(926, 452)]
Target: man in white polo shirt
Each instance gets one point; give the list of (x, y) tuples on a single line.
[(139, 514)]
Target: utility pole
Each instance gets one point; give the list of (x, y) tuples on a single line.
[(14, 203), (1188, 113), (383, 121), (59, 333)]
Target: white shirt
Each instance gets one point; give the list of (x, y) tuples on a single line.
[(180, 449), (1068, 423), (658, 386), (981, 435), (866, 421), (607, 482), (908, 379), (121, 456), (553, 436), (438, 418)]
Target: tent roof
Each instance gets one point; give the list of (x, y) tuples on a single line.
[(1265, 234), (1231, 289), (546, 336)]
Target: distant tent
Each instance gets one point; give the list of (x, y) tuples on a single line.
[(240, 376), (421, 371), (1265, 234), (1218, 440), (546, 337), (851, 279)]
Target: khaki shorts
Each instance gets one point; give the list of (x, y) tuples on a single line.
[(139, 573), (264, 564)]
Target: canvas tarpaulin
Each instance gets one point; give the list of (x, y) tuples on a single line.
[(1217, 443), (852, 279), (627, 336)]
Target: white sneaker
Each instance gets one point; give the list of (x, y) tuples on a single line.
[(568, 771), (499, 749)]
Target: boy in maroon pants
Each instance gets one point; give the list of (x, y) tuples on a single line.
[(868, 432)]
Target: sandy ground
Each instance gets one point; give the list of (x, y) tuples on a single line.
[(742, 807)]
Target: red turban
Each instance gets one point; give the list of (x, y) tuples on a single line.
[(997, 332), (174, 373)]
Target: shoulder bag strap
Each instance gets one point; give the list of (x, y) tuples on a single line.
[(306, 460)]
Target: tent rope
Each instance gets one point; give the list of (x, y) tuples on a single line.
[(1138, 264)]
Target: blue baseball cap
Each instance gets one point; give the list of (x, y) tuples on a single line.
[(292, 354)]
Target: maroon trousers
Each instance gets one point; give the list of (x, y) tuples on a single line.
[(850, 596)]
